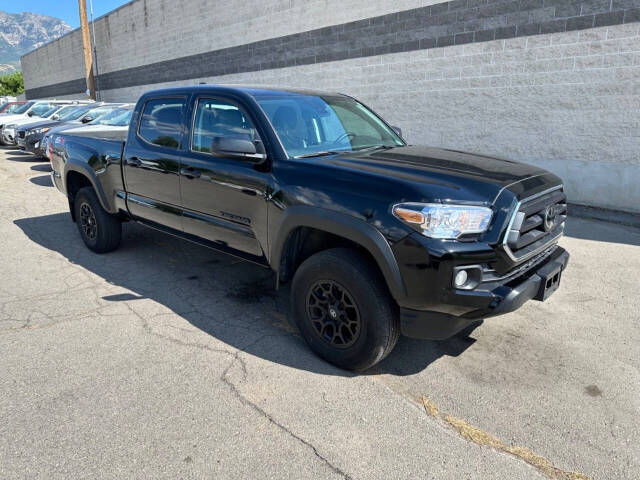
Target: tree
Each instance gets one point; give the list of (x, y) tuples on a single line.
[(11, 84)]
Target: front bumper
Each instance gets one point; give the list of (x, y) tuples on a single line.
[(56, 178), (8, 137), (31, 144), (535, 283)]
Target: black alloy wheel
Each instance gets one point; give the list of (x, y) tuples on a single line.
[(334, 314), (88, 221), (100, 230), (345, 313)]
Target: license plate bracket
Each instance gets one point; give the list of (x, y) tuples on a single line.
[(550, 276)]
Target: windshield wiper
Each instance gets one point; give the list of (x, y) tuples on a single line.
[(335, 152), (375, 147), (320, 154)]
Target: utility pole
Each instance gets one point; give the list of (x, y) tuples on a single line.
[(96, 72), (86, 48)]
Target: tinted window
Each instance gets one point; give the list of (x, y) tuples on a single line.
[(217, 118), (161, 122)]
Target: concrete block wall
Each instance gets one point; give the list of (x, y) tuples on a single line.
[(549, 82)]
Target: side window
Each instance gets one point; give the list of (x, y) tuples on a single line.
[(217, 118), (161, 122)]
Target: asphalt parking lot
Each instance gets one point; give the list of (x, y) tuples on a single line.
[(168, 360)]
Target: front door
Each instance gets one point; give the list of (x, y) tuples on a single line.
[(152, 163), (224, 199)]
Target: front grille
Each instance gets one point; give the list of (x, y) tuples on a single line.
[(21, 133), (538, 221)]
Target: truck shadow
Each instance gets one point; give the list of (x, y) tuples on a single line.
[(17, 156), (42, 180), (229, 299)]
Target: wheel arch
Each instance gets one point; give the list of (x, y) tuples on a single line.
[(340, 226), (78, 176)]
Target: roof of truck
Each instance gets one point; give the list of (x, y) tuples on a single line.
[(253, 90)]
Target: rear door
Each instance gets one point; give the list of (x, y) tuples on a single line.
[(224, 198), (152, 162)]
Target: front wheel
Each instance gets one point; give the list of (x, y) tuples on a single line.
[(99, 230), (343, 309)]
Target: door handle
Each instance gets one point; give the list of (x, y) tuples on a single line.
[(133, 162), (190, 172)]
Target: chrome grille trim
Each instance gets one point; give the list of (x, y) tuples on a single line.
[(490, 275), (554, 235)]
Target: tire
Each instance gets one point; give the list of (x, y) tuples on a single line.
[(367, 316), (100, 231)]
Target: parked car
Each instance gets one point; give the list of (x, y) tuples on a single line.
[(10, 107), (28, 110), (34, 138), (119, 117), (28, 135), (377, 236), (9, 135)]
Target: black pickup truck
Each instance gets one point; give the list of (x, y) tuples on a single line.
[(376, 236)]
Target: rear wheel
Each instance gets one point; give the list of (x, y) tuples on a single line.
[(343, 309), (99, 230)]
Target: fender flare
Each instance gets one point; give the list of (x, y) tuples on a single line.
[(86, 171), (345, 226)]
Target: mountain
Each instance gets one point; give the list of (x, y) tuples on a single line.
[(22, 32)]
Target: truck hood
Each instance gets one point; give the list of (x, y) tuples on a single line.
[(481, 176)]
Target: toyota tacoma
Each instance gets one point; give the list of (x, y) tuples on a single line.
[(377, 237)]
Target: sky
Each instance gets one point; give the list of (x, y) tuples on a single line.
[(66, 10)]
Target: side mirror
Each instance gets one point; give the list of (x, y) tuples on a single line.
[(55, 117), (30, 114), (87, 119), (398, 130), (236, 148)]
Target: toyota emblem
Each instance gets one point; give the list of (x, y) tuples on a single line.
[(550, 215)]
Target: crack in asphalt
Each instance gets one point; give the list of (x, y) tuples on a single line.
[(235, 358), (245, 401)]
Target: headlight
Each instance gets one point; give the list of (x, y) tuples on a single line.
[(437, 220), (36, 131)]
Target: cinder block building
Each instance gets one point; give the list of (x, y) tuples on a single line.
[(549, 82)]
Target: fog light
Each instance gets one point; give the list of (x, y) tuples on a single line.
[(461, 278)]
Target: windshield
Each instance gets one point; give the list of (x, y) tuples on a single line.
[(10, 108), (73, 113), (120, 117), (40, 108), (23, 108), (308, 124), (99, 112), (51, 111), (66, 110)]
